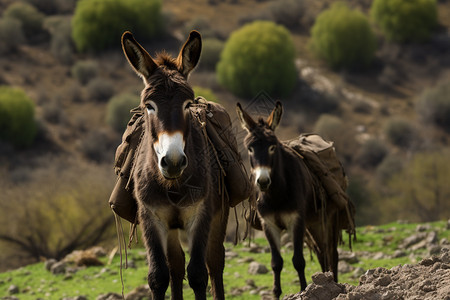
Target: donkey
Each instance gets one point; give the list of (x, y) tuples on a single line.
[(174, 184), (287, 198)]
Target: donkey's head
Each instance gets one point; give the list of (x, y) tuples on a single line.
[(166, 99), (262, 144)]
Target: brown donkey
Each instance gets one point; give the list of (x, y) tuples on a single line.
[(287, 199), (174, 181)]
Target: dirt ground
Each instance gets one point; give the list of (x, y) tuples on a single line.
[(428, 280)]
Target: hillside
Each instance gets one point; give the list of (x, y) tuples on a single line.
[(69, 166)]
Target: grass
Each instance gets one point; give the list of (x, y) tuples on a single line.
[(34, 281)]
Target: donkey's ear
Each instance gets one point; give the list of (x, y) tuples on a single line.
[(246, 121), (139, 59), (274, 119), (190, 53)]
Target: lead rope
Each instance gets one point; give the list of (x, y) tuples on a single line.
[(120, 238)]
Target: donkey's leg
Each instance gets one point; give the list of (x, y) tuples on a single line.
[(176, 261), (158, 274), (215, 256), (298, 260), (273, 235), (198, 231)]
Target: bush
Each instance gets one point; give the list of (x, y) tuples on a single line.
[(51, 7), (343, 38), (371, 153), (84, 71), (11, 35), (400, 132), (328, 126), (17, 123), (30, 18), (402, 21), (259, 56), (61, 45), (211, 49), (434, 105), (288, 13), (118, 110), (205, 93), (100, 89), (99, 24)]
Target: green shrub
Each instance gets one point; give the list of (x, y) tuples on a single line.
[(51, 7), (400, 132), (30, 18), (371, 153), (61, 45), (343, 38), (100, 89), (402, 21), (84, 71), (118, 110), (11, 35), (434, 105), (17, 123), (328, 126), (99, 24), (208, 94), (259, 56), (211, 49)]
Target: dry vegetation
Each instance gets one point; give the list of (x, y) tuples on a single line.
[(73, 131)]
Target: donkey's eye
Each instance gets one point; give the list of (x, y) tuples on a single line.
[(150, 108), (272, 149), (187, 104), (250, 150)]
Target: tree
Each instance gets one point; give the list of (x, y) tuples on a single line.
[(259, 56), (403, 21), (343, 38), (421, 191)]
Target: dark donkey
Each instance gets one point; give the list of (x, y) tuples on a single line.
[(174, 180), (287, 198)]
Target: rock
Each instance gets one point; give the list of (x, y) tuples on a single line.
[(13, 289), (434, 249), (231, 254), (413, 239), (140, 293), (423, 227), (256, 268), (432, 237), (109, 296), (344, 267), (398, 253), (58, 268), (75, 298), (49, 263), (348, 256)]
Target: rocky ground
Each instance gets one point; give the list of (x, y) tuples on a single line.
[(429, 279)]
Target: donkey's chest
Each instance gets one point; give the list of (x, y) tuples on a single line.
[(174, 217)]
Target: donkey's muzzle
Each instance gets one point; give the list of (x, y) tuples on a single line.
[(263, 183), (172, 166)]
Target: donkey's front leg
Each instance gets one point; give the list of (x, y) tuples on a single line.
[(158, 274), (298, 233), (198, 231), (273, 235)]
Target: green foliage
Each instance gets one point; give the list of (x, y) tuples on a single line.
[(84, 70), (208, 94), (17, 123), (11, 35), (400, 132), (421, 191), (61, 45), (99, 24), (329, 126), (259, 56), (100, 89), (118, 110), (402, 21), (211, 49), (30, 18), (434, 105), (343, 38), (371, 153)]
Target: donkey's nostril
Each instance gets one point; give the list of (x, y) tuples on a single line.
[(164, 162), (184, 162), (263, 182)]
